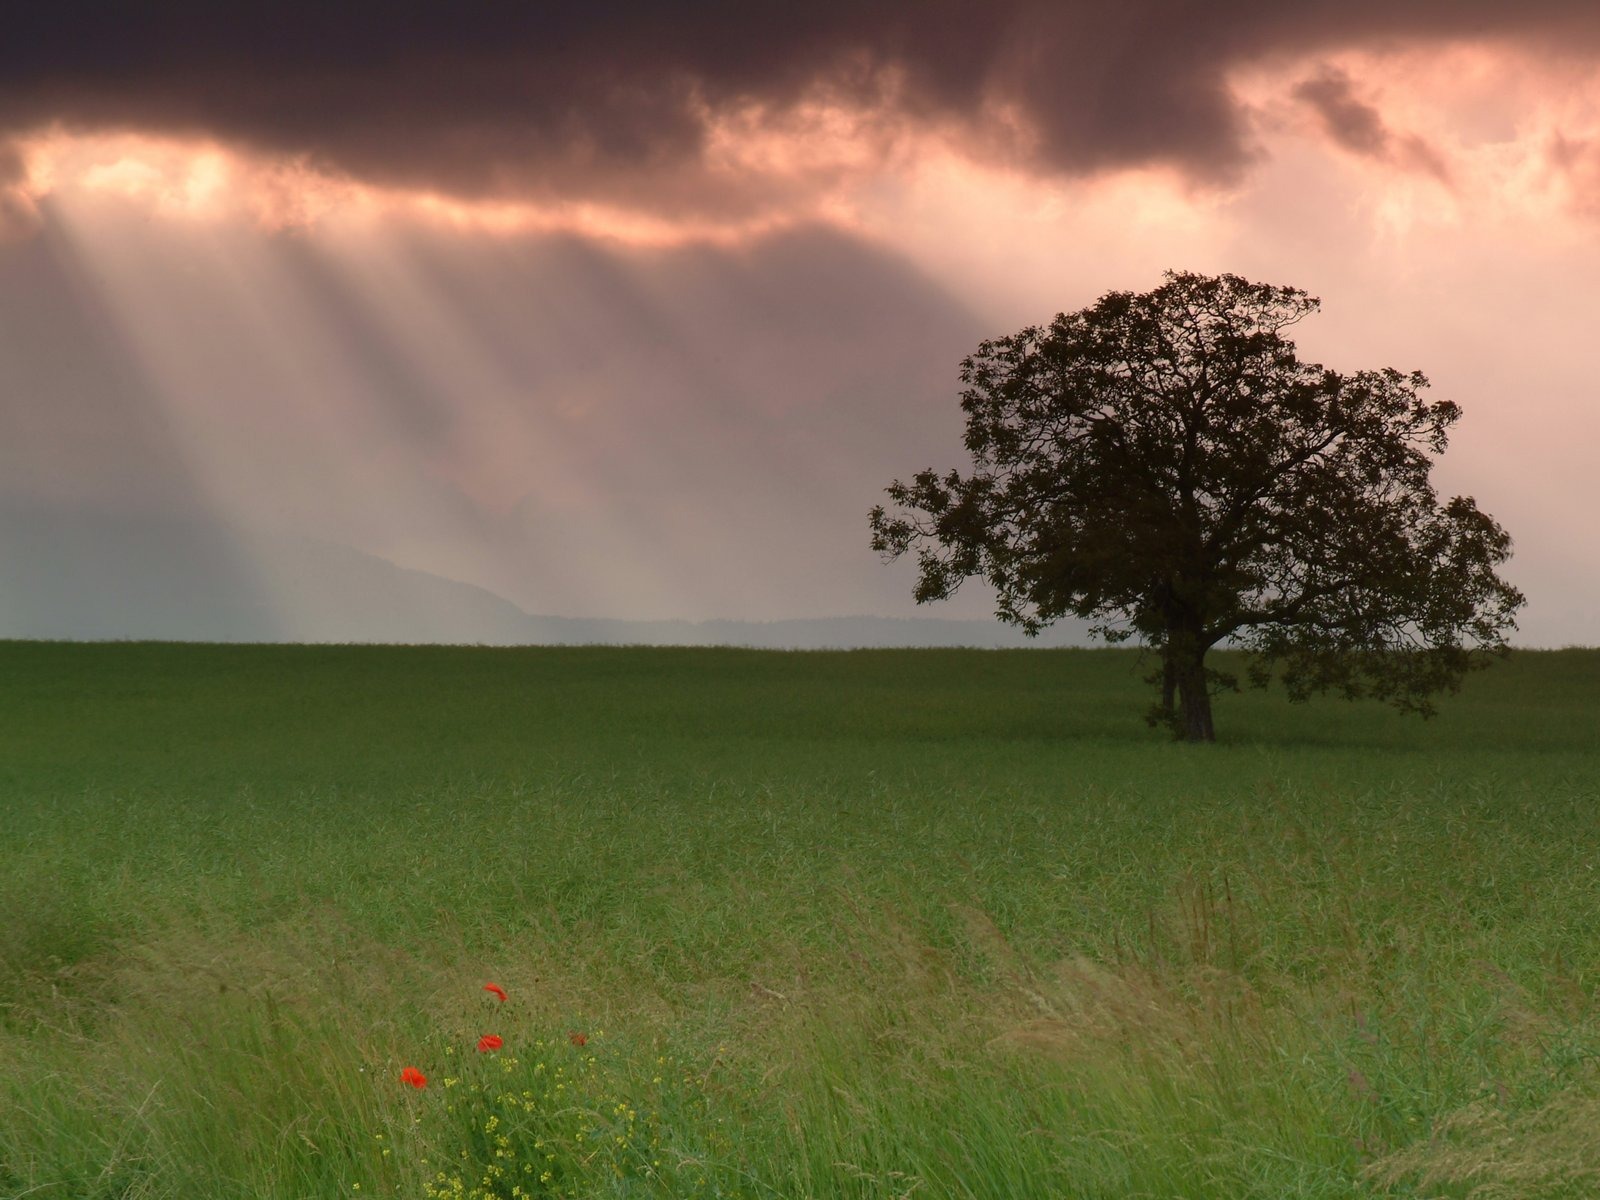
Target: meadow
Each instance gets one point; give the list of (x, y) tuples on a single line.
[(942, 924)]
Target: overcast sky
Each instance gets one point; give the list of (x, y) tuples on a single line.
[(632, 310)]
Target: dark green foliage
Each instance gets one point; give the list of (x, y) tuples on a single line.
[(1164, 465)]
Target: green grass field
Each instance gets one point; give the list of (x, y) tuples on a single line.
[(871, 924)]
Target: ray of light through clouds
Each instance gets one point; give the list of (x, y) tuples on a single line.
[(606, 400)]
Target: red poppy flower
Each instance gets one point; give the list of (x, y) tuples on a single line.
[(578, 1039), (500, 992), (489, 1042), (414, 1077)]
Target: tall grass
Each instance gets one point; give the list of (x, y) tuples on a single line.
[(942, 924)]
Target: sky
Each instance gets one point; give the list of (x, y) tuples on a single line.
[(632, 309)]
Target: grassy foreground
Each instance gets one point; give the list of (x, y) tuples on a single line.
[(871, 924)]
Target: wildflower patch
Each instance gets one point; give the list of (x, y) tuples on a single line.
[(563, 1117)]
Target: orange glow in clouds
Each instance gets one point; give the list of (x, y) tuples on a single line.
[(179, 178), (205, 181), (1467, 129), (787, 167), (823, 158)]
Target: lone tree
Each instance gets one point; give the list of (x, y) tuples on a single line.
[(1164, 465)]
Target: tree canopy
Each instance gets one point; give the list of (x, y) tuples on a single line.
[(1165, 466)]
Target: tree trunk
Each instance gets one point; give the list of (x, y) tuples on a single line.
[(1194, 724), (1169, 684)]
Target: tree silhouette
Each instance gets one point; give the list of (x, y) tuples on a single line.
[(1164, 465)]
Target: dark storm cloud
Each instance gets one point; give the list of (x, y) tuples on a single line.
[(1360, 128), (606, 97), (1354, 125)]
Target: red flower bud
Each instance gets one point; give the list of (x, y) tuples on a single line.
[(489, 1042), (414, 1077), (500, 992)]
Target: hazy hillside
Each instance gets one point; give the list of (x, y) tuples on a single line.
[(68, 575), (815, 634)]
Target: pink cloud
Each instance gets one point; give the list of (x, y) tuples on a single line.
[(1358, 127), (1575, 162)]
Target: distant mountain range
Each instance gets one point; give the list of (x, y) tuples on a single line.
[(91, 577)]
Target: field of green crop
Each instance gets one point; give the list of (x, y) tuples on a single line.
[(872, 924)]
